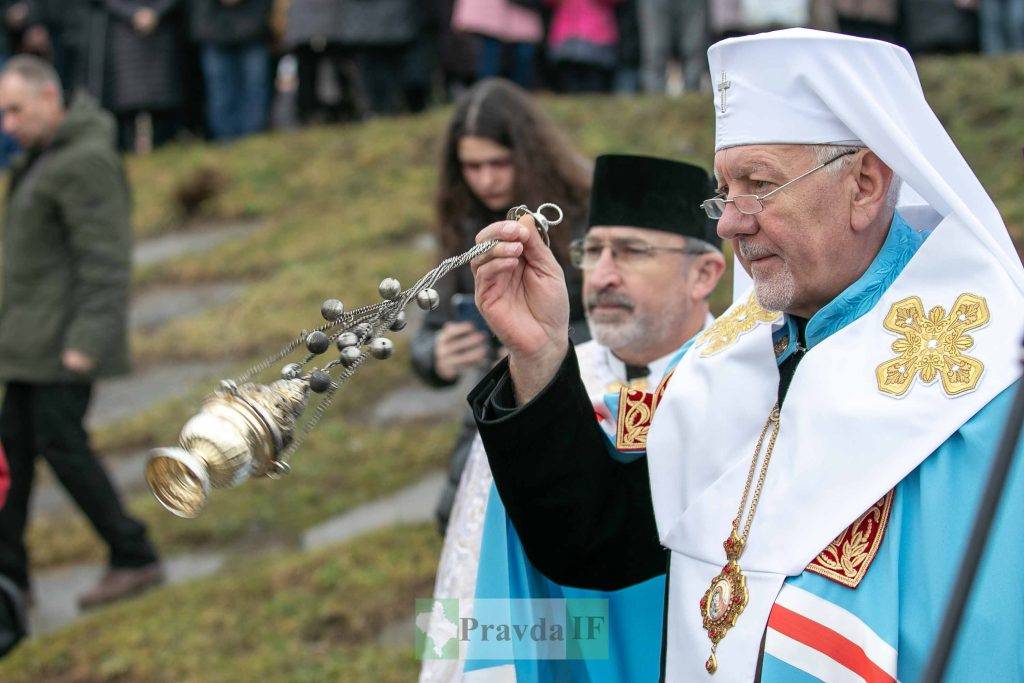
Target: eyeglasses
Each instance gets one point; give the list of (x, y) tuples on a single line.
[(749, 204), (585, 253)]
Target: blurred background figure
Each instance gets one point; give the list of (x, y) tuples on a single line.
[(233, 36), (1002, 25), (940, 26), (457, 51), (327, 87), (54, 30), (15, 14), (63, 316), (140, 69), (509, 30), (730, 18), (500, 150), (667, 25), (627, 67), (583, 44), (393, 49), (868, 18)]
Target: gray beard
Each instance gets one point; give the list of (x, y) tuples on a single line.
[(635, 333), (616, 335), (776, 293)]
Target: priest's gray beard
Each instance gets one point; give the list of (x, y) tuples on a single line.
[(639, 330), (774, 293)]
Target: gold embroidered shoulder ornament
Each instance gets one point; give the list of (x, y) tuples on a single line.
[(733, 324)]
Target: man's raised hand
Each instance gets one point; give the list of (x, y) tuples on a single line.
[(520, 290)]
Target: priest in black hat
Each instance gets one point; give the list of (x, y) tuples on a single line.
[(647, 237), (650, 260)]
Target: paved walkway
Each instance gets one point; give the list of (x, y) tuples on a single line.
[(57, 590), (159, 305), (173, 245)]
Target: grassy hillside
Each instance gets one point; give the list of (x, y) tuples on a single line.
[(308, 617)]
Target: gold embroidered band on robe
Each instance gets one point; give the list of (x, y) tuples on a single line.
[(636, 410), (846, 559), (933, 346), (733, 324)]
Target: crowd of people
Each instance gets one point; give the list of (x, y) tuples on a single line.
[(223, 69)]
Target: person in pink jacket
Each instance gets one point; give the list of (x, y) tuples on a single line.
[(503, 26), (582, 43)]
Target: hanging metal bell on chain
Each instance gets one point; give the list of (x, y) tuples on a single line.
[(389, 288), (349, 355), (332, 309), (362, 330), (428, 299), (399, 322), (381, 348), (346, 339), (317, 342), (319, 381)]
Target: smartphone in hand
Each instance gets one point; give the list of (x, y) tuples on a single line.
[(465, 310)]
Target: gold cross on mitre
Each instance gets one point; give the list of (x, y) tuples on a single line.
[(723, 85)]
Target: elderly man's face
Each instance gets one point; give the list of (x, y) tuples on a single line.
[(638, 301), (790, 247)]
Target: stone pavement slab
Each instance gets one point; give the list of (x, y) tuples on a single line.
[(173, 245), (57, 590)]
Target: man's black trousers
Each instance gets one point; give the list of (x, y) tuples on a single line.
[(46, 420)]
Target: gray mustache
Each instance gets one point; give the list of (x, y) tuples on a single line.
[(610, 299), (752, 251)]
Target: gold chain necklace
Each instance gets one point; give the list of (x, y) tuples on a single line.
[(725, 598)]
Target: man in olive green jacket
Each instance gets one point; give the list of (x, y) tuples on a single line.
[(63, 308)]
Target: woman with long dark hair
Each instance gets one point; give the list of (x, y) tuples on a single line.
[(500, 150)]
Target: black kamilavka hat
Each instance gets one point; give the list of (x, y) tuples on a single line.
[(647, 192)]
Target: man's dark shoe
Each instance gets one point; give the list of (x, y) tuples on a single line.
[(121, 583)]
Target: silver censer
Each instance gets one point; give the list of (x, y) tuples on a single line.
[(246, 429)]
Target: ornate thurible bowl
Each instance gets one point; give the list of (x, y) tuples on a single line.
[(237, 434), (245, 429)]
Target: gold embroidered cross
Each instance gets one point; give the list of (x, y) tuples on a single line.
[(933, 345)]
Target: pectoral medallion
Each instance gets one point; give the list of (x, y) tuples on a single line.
[(726, 597), (724, 600)]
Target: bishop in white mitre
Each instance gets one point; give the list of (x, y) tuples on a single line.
[(816, 459)]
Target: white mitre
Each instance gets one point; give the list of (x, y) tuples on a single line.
[(811, 87), (846, 438)]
